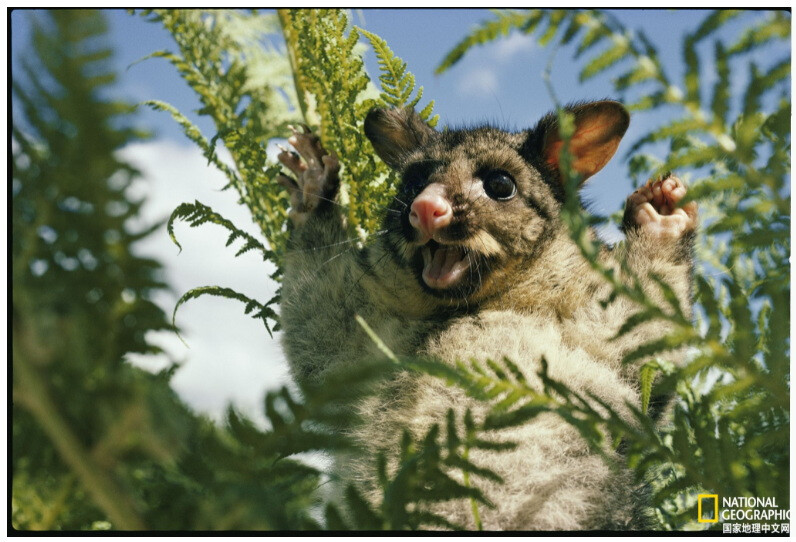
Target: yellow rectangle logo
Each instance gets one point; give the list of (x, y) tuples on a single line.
[(714, 509)]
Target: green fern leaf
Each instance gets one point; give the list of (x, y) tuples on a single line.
[(194, 134), (486, 32), (197, 214), (363, 515), (776, 26), (647, 375), (397, 84), (613, 55), (720, 104), (554, 20), (263, 312)]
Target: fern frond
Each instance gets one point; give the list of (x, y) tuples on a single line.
[(619, 50), (194, 134), (763, 82), (258, 310), (672, 341), (363, 515), (504, 22), (774, 27), (396, 83), (330, 71), (646, 377), (720, 103), (248, 101), (197, 214), (596, 32), (714, 22)]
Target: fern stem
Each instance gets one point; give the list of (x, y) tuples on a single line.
[(291, 44), (376, 339), (107, 495), (473, 502)]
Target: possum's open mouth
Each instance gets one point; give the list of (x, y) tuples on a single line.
[(443, 265)]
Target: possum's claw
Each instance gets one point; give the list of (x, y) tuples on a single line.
[(653, 209), (316, 174)]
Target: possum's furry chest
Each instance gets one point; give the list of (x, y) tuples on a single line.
[(541, 488), (525, 340)]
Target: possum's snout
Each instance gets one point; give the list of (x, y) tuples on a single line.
[(430, 212)]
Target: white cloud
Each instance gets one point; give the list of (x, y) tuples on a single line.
[(481, 75), (230, 357), (516, 43), (478, 81)]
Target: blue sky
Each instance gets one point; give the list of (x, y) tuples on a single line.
[(500, 83), (231, 357)]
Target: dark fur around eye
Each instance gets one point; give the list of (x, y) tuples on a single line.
[(499, 185), (416, 175)]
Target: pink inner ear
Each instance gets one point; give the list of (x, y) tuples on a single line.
[(553, 153), (594, 142)]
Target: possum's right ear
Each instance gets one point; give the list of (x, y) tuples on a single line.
[(395, 133), (599, 126)]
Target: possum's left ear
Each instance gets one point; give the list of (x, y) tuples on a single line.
[(395, 133), (599, 126)]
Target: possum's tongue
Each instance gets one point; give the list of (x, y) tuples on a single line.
[(443, 266)]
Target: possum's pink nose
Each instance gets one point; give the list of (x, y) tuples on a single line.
[(430, 211)]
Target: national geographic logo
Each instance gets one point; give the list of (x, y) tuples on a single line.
[(708, 508), (739, 509)]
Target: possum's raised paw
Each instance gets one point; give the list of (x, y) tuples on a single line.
[(316, 174), (653, 209)]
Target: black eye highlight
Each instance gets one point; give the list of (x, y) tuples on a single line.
[(499, 185)]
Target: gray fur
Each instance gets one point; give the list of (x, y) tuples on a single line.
[(529, 294)]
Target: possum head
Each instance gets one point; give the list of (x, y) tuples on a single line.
[(477, 206)]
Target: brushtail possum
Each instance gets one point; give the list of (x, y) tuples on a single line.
[(474, 262)]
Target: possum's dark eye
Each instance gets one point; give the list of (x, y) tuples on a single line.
[(499, 185)]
